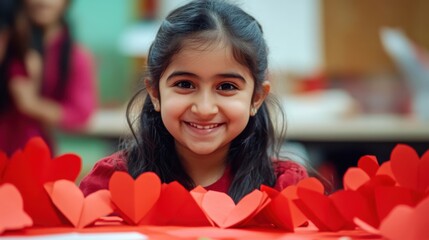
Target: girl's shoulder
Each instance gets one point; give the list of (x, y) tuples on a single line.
[(288, 173), (98, 178), (116, 162)]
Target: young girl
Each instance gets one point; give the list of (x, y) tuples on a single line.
[(205, 120), (52, 84)]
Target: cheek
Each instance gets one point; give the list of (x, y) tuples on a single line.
[(172, 108), (237, 111)]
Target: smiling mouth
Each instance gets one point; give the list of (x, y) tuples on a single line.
[(204, 127)]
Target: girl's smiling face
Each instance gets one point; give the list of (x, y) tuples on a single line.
[(205, 98)]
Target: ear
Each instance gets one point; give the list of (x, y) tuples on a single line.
[(153, 94), (259, 97)]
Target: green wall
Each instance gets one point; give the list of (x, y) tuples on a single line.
[(98, 24)]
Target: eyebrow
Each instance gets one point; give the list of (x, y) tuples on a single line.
[(221, 75)]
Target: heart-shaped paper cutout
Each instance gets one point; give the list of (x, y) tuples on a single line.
[(352, 204), (29, 169), (177, 207), (12, 215), (386, 169), (369, 164), (3, 163), (388, 197), (354, 178), (279, 210), (198, 194), (290, 193), (367, 189), (36, 157), (80, 211), (320, 210), (311, 183), (134, 198), (409, 170), (405, 222), (231, 214)]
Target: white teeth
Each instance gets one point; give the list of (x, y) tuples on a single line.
[(204, 127)]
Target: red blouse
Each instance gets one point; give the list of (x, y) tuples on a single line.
[(287, 173), (77, 104)]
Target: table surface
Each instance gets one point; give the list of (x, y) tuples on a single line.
[(175, 232)]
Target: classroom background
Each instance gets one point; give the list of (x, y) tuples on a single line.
[(352, 75)]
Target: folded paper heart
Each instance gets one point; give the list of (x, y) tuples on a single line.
[(3, 164), (282, 211), (336, 211), (369, 164), (351, 205), (409, 169), (32, 167), (388, 197), (367, 168), (198, 195), (221, 209), (403, 222), (372, 201), (175, 206), (80, 211), (386, 169), (319, 209), (354, 178), (134, 198), (12, 215), (278, 211)]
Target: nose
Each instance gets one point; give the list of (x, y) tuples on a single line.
[(205, 105)]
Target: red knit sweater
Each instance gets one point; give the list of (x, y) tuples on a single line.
[(287, 173)]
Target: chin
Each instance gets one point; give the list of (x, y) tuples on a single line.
[(201, 150)]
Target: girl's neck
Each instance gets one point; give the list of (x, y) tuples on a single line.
[(51, 32), (204, 170)]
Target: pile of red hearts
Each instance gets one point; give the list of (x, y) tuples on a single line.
[(391, 200)]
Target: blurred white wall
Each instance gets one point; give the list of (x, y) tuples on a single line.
[(292, 29)]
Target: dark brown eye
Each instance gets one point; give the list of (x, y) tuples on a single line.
[(227, 87), (184, 84)]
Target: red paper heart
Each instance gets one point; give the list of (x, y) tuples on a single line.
[(231, 214), (311, 183), (134, 198), (3, 163), (37, 162), (369, 164), (409, 170), (351, 205), (279, 210), (175, 206), (320, 210), (282, 210), (29, 169), (12, 215), (405, 222), (388, 197), (80, 211), (386, 169), (354, 178)]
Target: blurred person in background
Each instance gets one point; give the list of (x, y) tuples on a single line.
[(52, 83), (8, 13)]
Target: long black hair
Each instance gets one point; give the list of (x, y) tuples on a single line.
[(8, 18), (65, 52), (152, 148)]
